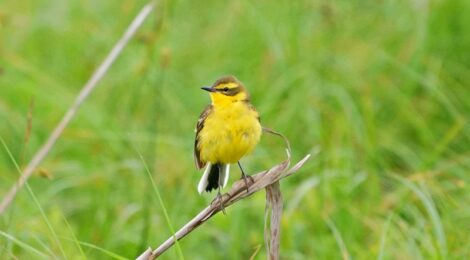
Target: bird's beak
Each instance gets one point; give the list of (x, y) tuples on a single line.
[(210, 89)]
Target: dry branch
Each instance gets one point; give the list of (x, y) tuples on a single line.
[(237, 192), (86, 90)]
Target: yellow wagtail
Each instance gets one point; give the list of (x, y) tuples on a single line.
[(227, 129)]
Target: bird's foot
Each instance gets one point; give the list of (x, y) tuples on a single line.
[(218, 200)]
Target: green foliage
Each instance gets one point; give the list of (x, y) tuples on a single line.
[(380, 88)]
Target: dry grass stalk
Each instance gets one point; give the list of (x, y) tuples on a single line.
[(272, 232), (86, 90), (237, 192)]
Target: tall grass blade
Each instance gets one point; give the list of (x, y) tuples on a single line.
[(432, 212), (46, 220), (162, 205), (23, 245), (339, 239)]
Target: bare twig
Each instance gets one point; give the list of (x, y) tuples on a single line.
[(237, 192), (86, 90), (286, 141)]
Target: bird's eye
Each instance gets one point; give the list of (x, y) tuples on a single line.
[(225, 89)]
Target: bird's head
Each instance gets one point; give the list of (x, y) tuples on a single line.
[(227, 90)]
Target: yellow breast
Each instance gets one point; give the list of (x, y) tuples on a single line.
[(229, 133)]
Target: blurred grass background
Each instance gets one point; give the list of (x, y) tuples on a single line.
[(381, 88)]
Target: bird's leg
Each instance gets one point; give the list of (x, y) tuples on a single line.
[(219, 199), (245, 177)]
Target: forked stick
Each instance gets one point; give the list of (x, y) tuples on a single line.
[(237, 192)]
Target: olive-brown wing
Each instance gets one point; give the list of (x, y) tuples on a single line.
[(200, 125)]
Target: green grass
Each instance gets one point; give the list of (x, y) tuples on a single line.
[(381, 88)]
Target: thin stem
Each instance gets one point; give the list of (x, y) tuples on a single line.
[(86, 90)]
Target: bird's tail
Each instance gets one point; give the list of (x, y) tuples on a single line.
[(215, 175)]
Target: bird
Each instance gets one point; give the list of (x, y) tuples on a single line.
[(227, 129)]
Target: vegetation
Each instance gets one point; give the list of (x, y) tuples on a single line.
[(380, 89)]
